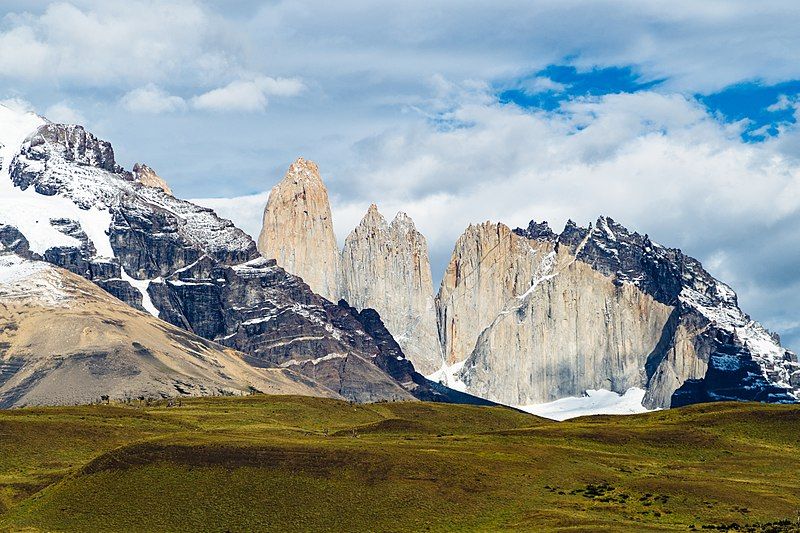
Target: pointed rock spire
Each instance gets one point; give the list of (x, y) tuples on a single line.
[(385, 267), (298, 229)]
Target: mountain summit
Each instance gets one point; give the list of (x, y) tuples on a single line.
[(530, 316), (298, 229)]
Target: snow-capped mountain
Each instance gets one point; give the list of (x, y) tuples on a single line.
[(65, 200)]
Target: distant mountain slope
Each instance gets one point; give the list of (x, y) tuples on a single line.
[(65, 341)]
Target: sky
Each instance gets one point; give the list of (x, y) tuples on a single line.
[(677, 118)]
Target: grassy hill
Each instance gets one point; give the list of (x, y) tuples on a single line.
[(289, 463)]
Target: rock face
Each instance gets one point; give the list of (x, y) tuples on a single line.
[(148, 177), (64, 341), (600, 308), (489, 267), (385, 267), (298, 229)]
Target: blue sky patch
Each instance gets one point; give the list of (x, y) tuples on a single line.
[(756, 103), (547, 88)]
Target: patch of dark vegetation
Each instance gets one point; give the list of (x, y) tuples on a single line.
[(604, 492), (320, 462), (114, 322), (601, 492), (780, 526)]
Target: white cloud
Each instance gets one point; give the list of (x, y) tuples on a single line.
[(111, 43), (18, 104), (64, 113), (659, 164), (697, 46), (152, 99), (247, 212), (247, 95), (542, 84)]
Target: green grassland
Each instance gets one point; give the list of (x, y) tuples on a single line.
[(288, 463)]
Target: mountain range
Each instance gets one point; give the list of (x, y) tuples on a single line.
[(191, 305), (526, 316)]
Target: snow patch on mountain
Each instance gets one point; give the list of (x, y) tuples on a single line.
[(142, 285), (449, 376), (595, 402), (24, 280), (765, 350)]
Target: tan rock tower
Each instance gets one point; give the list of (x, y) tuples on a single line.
[(147, 176), (298, 229), (386, 267)]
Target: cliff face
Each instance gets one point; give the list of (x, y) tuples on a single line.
[(385, 267), (600, 308), (573, 330), (298, 229), (489, 267)]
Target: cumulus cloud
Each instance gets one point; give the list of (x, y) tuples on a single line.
[(152, 99), (105, 43), (64, 113), (541, 84), (247, 95), (696, 46)]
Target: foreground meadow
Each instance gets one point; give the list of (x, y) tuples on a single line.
[(288, 463)]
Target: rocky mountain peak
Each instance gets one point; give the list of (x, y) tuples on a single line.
[(374, 219), (386, 267), (148, 177), (303, 170), (404, 224), (537, 230), (682, 326), (298, 228)]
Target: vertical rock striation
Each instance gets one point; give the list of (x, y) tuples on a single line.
[(298, 229), (489, 267), (386, 267)]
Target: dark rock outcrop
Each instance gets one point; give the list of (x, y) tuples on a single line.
[(12, 240)]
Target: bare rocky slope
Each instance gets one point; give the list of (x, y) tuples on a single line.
[(65, 341), (65, 200)]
